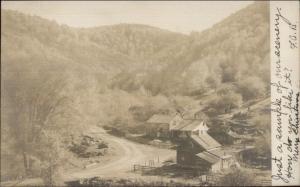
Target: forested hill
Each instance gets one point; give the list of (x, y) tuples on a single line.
[(135, 40), (107, 49), (235, 50), (131, 56)]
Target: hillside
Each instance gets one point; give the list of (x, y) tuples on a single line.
[(230, 51), (58, 81), (109, 49), (134, 40), (132, 55)]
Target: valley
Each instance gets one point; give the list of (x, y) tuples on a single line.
[(77, 103)]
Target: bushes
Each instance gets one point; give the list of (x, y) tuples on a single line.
[(213, 81), (251, 87), (220, 135), (88, 146), (226, 100), (237, 178), (259, 157), (262, 122), (141, 113), (241, 116), (117, 132), (263, 143), (97, 181)]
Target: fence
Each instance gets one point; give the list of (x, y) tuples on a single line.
[(142, 168), (151, 164)]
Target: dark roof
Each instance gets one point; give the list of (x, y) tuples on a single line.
[(206, 141), (190, 114), (182, 124), (191, 126), (187, 124), (158, 118)]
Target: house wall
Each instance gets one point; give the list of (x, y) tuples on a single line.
[(203, 165), (202, 128), (216, 167), (185, 158), (222, 165), (186, 153), (226, 163), (158, 130)]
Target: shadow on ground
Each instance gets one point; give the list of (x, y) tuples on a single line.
[(174, 171)]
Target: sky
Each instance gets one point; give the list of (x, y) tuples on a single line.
[(177, 16)]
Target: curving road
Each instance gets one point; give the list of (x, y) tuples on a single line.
[(131, 153)]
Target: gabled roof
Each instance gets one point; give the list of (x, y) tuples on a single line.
[(191, 126), (190, 113), (187, 125), (208, 157), (158, 118), (214, 155), (182, 124), (219, 152), (206, 141)]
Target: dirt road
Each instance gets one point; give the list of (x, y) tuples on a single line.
[(130, 153), (121, 165)]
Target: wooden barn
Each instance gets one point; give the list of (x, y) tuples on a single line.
[(197, 149)]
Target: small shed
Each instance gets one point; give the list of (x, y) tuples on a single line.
[(216, 159)]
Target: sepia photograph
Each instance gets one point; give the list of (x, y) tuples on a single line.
[(135, 93)]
